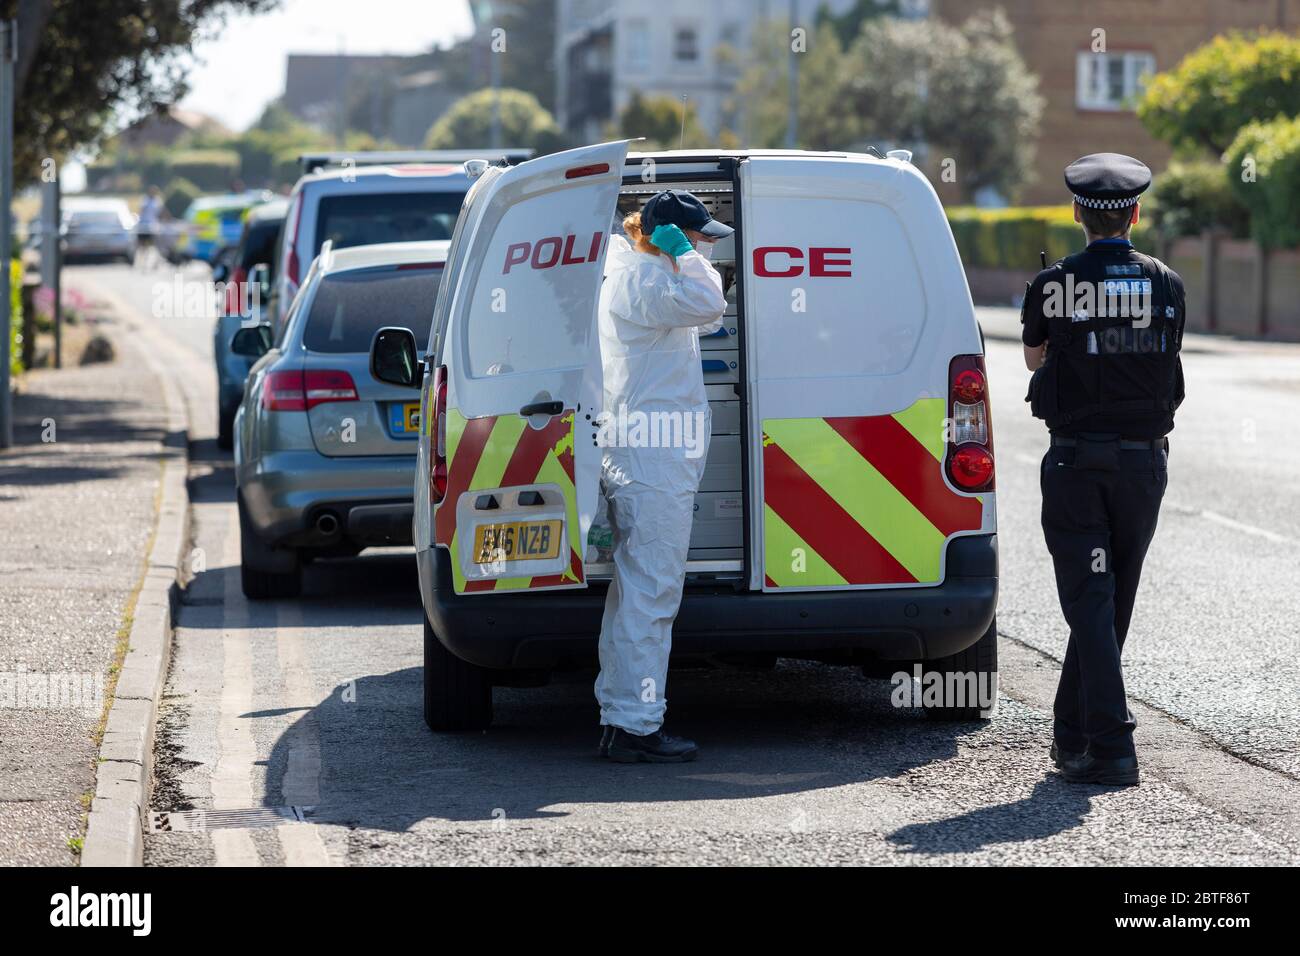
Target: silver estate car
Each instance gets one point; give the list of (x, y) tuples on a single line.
[(325, 453)]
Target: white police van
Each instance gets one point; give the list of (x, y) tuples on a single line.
[(847, 512)]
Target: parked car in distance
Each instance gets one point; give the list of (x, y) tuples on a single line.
[(325, 453), (96, 229), (244, 304), (362, 205), (213, 222)]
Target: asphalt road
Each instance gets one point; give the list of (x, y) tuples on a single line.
[(316, 702)]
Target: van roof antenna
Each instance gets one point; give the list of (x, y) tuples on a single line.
[(681, 139)]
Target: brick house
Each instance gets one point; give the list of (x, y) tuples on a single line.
[(1090, 95)]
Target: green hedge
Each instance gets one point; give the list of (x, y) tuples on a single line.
[(1012, 238), (16, 316), (212, 170)]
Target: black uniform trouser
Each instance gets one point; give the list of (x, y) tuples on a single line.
[(1098, 525)]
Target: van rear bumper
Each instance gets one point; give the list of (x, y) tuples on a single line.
[(538, 630)]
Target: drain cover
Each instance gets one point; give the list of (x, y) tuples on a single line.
[(166, 821)]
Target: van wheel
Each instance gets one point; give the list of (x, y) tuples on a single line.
[(981, 660), (457, 694), (265, 572)]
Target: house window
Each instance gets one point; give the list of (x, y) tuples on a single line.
[(686, 44), (638, 45), (1111, 81)]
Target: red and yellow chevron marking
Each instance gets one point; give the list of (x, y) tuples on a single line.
[(859, 500), (502, 451)]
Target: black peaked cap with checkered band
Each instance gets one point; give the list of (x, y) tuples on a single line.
[(1107, 180)]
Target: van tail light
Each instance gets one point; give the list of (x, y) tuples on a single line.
[(438, 447), (298, 391), (970, 427)]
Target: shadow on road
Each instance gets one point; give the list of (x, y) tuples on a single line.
[(1053, 807)]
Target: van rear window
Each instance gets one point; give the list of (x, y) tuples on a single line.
[(350, 307), (363, 219)]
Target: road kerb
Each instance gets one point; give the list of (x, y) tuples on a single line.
[(115, 828)]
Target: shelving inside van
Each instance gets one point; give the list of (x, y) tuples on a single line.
[(717, 535)]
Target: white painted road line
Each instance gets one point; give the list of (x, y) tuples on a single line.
[(301, 786), (232, 786)]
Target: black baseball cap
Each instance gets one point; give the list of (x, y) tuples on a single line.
[(677, 207)]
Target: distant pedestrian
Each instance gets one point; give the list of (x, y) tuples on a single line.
[(147, 229)]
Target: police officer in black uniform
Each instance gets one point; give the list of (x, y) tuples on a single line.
[(1102, 331)]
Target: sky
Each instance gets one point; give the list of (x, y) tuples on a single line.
[(240, 68)]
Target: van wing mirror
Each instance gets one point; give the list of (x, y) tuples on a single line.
[(394, 359), (252, 341)]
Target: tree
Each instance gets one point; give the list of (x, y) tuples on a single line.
[(1222, 86), (659, 120), (468, 124), (525, 46), (963, 91), (762, 91), (83, 64), (1263, 166)]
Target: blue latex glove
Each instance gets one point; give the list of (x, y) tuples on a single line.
[(671, 240)]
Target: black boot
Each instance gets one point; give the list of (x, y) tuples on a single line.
[(658, 747), (606, 734), (1111, 771), (1061, 757)]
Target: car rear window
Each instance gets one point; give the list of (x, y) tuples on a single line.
[(96, 220), (365, 219), (350, 307), (259, 244)]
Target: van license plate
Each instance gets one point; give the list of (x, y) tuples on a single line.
[(517, 541)]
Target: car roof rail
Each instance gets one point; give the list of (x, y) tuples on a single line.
[(315, 162)]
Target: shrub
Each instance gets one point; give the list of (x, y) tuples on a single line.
[(212, 170), (1272, 195), (1190, 197), (15, 316), (1012, 238), (1218, 88)]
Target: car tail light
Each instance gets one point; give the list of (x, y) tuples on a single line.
[(328, 385), (438, 449), (235, 292), (970, 430), (283, 392), (298, 391), (291, 262)]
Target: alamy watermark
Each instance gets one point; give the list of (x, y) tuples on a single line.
[(632, 428), (22, 689), (922, 688)]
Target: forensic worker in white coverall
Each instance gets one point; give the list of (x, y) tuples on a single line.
[(660, 294)]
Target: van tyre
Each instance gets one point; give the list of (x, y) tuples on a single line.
[(265, 572), (457, 694), (981, 660)]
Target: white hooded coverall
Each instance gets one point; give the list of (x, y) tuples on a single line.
[(650, 319)]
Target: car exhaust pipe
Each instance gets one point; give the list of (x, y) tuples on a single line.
[(327, 523)]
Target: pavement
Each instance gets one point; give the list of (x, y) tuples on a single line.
[(314, 704), (78, 498)]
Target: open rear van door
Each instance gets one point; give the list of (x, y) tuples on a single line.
[(513, 443), (857, 309)]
